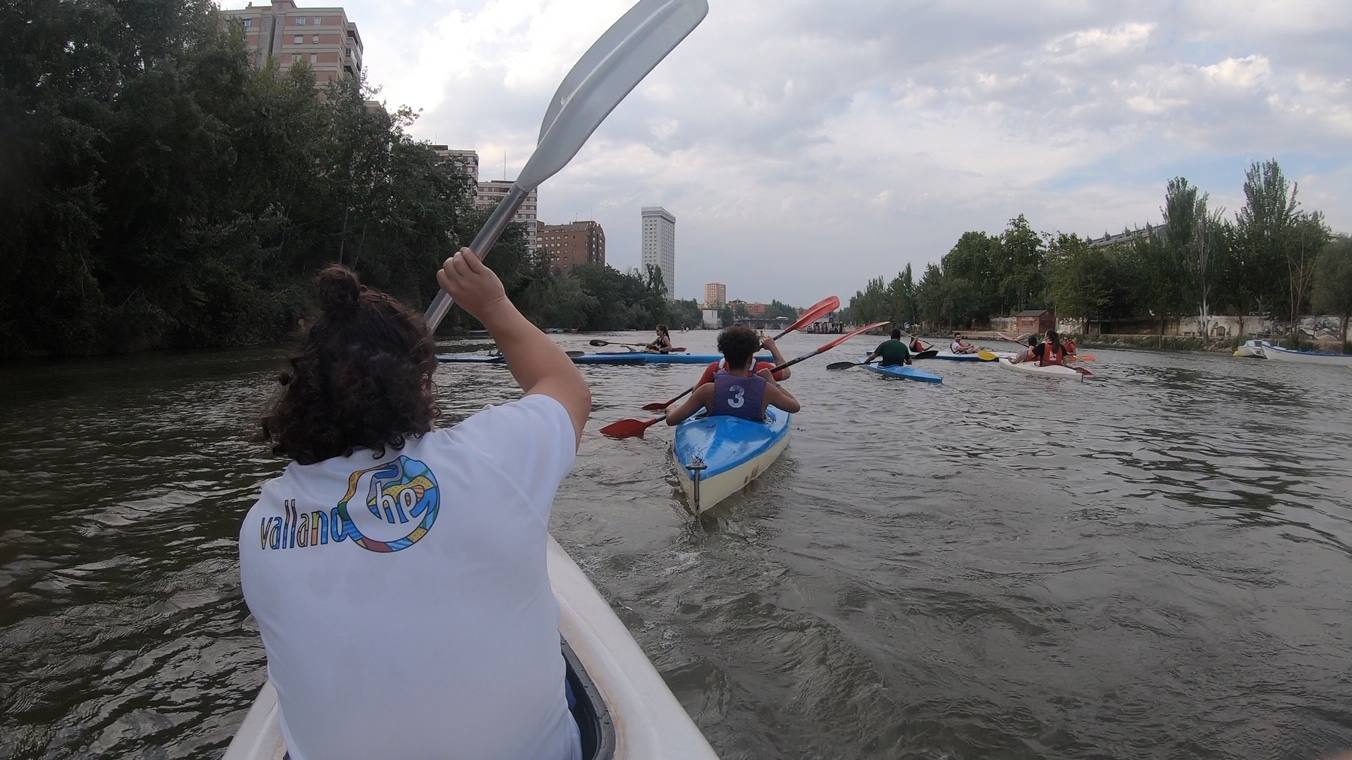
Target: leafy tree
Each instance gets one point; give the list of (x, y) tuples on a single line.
[(1079, 278), (1264, 227), (1333, 283)]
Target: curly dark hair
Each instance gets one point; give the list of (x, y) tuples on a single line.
[(362, 379), (737, 344)]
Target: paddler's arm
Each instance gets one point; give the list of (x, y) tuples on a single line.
[(778, 396), (537, 363), (769, 345), (702, 396)]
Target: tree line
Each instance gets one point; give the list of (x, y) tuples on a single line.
[(157, 190), (1271, 259)]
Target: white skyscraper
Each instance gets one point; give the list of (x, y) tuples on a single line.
[(659, 245)]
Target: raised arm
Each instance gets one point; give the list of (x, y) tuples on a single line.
[(537, 363), (778, 396), (769, 345)]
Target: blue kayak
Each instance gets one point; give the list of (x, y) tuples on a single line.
[(905, 373), (716, 456), (614, 357)]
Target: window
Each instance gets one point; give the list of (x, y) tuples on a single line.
[(318, 21), (313, 59), (295, 57), (298, 39), (248, 24), (315, 39), (300, 21)]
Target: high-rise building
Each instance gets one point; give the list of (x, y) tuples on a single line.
[(321, 37), (570, 245), (659, 245), (465, 163), (715, 295), (493, 191)]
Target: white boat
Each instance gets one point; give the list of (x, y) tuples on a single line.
[(1057, 371), (1252, 349), (718, 455), (1278, 354), (624, 709)]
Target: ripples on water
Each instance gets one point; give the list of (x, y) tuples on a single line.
[(1154, 565)]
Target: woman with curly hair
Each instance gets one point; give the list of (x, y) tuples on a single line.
[(396, 569)]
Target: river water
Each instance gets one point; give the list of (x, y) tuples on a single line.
[(1154, 565)]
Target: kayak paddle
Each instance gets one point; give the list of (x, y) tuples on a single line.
[(602, 77), (658, 406), (598, 342), (814, 313), (630, 428), (846, 365), (986, 356)]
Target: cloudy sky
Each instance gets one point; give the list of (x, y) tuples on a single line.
[(807, 145)]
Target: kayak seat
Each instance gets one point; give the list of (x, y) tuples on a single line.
[(589, 710)]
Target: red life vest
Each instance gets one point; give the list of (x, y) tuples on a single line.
[(1052, 355)]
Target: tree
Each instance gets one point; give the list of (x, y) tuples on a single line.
[(1263, 228), (1309, 236), (1019, 268), (1079, 284), (1333, 283)]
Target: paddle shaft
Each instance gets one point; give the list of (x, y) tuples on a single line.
[(482, 244)]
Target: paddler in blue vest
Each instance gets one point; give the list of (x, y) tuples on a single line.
[(893, 352), (736, 389)]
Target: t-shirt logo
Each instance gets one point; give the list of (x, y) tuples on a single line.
[(397, 493), (401, 498)]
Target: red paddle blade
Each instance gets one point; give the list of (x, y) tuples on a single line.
[(630, 428), (655, 406), (818, 310)]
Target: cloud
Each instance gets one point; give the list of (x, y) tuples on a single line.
[(806, 146)]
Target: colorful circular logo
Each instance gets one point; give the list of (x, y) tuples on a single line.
[(399, 493)]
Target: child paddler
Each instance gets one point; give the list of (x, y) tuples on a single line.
[(396, 569), (739, 389)]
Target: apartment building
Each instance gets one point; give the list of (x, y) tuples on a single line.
[(282, 32)]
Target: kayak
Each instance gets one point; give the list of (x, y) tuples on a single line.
[(947, 355), (904, 372), (644, 357), (952, 357), (624, 708), (717, 455), (1252, 349), (1057, 371), (614, 357), (1306, 357)]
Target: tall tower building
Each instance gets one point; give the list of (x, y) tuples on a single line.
[(659, 245), (715, 295), (493, 191), (321, 37)]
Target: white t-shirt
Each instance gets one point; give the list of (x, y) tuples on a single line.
[(404, 601)]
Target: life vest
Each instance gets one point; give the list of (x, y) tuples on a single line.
[(739, 396), (1052, 355)]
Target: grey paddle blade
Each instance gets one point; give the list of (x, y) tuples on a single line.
[(605, 74)]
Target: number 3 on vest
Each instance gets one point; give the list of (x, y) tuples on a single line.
[(738, 394)]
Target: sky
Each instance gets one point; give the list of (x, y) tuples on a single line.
[(805, 146)]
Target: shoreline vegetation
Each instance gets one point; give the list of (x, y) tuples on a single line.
[(1257, 273), (159, 192)]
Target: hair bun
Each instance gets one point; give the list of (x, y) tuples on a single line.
[(339, 289)]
